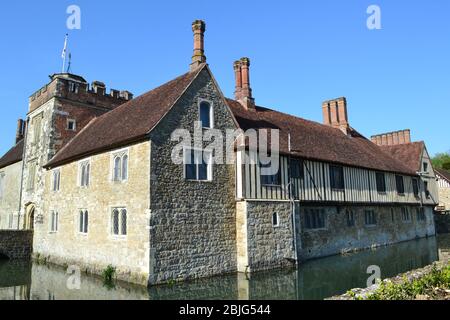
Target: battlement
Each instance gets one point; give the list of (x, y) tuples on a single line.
[(75, 88)]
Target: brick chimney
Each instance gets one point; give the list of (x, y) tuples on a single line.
[(335, 114), (20, 133), (243, 92), (199, 28), (392, 138)]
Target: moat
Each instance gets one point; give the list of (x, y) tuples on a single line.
[(314, 280)]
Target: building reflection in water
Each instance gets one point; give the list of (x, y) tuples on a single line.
[(317, 279)]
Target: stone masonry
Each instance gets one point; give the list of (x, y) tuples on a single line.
[(16, 245)]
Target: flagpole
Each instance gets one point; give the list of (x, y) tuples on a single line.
[(64, 53)]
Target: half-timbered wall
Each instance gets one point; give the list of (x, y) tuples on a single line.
[(360, 185)]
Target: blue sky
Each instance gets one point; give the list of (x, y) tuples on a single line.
[(302, 52)]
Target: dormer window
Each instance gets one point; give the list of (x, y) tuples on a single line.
[(206, 115)]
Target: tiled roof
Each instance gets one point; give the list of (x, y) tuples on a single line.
[(130, 122), (408, 154), (315, 141), (14, 155), (443, 173)]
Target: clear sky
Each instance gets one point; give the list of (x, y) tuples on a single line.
[(302, 52)]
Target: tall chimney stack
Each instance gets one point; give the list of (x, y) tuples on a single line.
[(243, 92), (199, 28), (20, 130), (335, 114), (392, 138)]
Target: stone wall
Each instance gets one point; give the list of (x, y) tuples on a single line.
[(9, 201), (16, 245), (193, 224), (442, 221), (269, 246), (444, 198), (96, 250), (338, 237)]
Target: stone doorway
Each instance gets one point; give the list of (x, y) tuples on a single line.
[(29, 217)]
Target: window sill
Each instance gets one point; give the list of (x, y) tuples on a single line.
[(370, 226), (53, 232), (382, 193), (271, 185), (198, 181), (337, 189), (118, 238), (401, 194), (316, 230)]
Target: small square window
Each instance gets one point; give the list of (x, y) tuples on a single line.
[(71, 125), (275, 220)]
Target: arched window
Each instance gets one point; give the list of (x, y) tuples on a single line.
[(206, 114), (125, 167), (85, 168), (117, 168), (83, 221), (119, 222), (120, 170)]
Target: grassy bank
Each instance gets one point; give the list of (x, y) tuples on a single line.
[(434, 285)]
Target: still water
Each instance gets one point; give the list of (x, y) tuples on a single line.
[(317, 279)]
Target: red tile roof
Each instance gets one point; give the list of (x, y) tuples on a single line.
[(130, 122), (134, 120), (409, 154), (315, 141), (443, 173), (14, 155)]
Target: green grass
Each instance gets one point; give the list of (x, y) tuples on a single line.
[(409, 290)]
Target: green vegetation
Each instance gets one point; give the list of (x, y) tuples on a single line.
[(433, 286), (108, 275), (441, 161)]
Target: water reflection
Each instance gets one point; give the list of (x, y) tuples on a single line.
[(316, 279)]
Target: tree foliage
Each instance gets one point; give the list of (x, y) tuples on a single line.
[(441, 160)]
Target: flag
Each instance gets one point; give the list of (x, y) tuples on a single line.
[(63, 55)]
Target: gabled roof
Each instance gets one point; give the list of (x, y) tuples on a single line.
[(14, 155), (128, 123), (315, 141), (443, 173), (409, 154)]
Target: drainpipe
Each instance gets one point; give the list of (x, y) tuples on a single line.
[(292, 200), (23, 170)]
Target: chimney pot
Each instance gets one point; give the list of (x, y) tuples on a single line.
[(199, 28), (244, 95), (20, 130), (126, 95)]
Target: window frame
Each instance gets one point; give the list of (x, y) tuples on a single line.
[(54, 222), (400, 192), (37, 130), (297, 163), (120, 154), (426, 190), (31, 179), (406, 215), (81, 183), (351, 218), (74, 125), (120, 210), (416, 187), (276, 216), (381, 189), (211, 113), (209, 170), (81, 223), (370, 218), (337, 185), (269, 181), (316, 224), (57, 187)]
